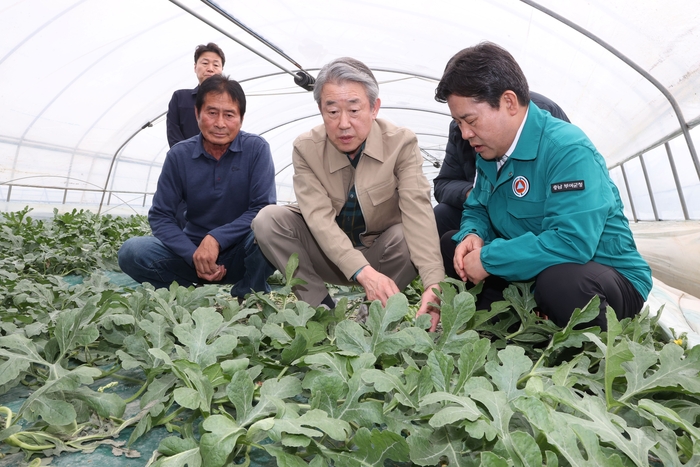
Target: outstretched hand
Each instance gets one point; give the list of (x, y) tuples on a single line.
[(377, 286), (425, 306)]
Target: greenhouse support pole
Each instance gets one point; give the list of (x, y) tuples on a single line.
[(116, 154), (672, 100), (649, 190), (679, 188), (629, 193), (230, 36)]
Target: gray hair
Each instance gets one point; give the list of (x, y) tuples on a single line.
[(346, 69)]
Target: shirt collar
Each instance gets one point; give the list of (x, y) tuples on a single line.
[(372, 147), (357, 153), (502, 160), (235, 146)]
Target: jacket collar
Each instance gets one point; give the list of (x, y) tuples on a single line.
[(529, 143), (527, 147)]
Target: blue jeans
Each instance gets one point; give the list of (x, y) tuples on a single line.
[(146, 259)]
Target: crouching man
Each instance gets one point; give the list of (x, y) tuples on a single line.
[(543, 206), (364, 213), (224, 176)]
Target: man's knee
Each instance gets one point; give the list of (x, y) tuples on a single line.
[(562, 288), (395, 241), (268, 220), (128, 253)]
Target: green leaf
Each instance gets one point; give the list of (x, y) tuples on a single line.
[(296, 349), (199, 391), (217, 445), (21, 354), (196, 337), (465, 408), (300, 318), (389, 383), (53, 411), (350, 337), (497, 405), (373, 448), (290, 280), (240, 392), (283, 458), (489, 459), (276, 332), (471, 358), (188, 397), (513, 365), (42, 402), (615, 354), (105, 404), (670, 416), (442, 443), (454, 316), (442, 367), (607, 426), (675, 370), (284, 388), (272, 394), (309, 425), (156, 329), (179, 452), (158, 389)]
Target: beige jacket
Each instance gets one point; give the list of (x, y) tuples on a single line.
[(391, 189)]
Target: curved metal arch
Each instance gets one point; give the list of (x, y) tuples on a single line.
[(252, 78), (230, 36), (38, 30), (68, 86), (672, 100)]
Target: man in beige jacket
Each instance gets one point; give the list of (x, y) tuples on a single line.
[(364, 213)]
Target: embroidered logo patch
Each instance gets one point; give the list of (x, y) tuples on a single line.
[(520, 186), (576, 185)]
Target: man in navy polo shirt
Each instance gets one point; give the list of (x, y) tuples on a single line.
[(225, 176)]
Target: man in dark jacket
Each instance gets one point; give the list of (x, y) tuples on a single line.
[(456, 178), (180, 121)]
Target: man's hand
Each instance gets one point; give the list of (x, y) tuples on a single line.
[(377, 286), (425, 306), (473, 268), (204, 260), (470, 243)]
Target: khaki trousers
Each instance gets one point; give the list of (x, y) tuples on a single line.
[(280, 232)]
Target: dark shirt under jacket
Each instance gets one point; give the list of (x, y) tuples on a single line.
[(222, 196), (456, 175), (180, 121)]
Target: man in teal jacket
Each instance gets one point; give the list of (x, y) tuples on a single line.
[(543, 206)]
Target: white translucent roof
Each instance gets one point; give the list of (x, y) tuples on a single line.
[(84, 84)]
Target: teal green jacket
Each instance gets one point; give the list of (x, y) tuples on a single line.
[(552, 203)]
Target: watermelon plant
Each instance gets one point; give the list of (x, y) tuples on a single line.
[(307, 386)]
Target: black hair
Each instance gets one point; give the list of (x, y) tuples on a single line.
[(483, 72), (220, 84), (210, 47)]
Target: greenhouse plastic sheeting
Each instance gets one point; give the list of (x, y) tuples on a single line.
[(680, 314), (85, 84)]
